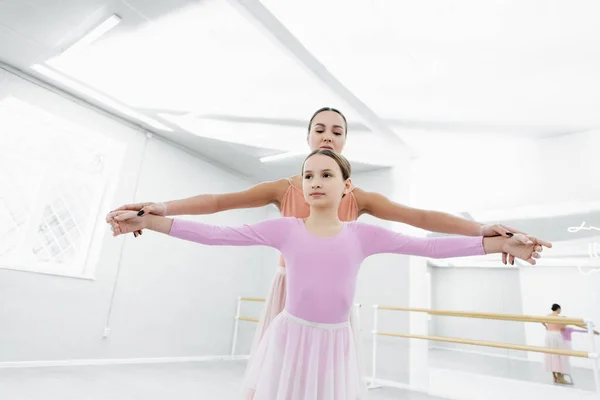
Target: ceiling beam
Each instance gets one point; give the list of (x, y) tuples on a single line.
[(107, 112), (437, 125), (261, 17)]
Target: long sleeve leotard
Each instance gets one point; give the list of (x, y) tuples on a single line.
[(322, 272)]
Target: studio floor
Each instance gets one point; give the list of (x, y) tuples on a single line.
[(176, 381), (523, 370), (221, 379)]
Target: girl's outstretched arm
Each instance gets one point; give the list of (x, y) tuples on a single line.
[(381, 207), (376, 240), (270, 232)]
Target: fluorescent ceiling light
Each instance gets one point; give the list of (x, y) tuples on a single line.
[(266, 136), (99, 97), (360, 149), (363, 159), (94, 34), (282, 156)]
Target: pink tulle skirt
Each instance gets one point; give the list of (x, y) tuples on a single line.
[(348, 371), (555, 362), (303, 360)]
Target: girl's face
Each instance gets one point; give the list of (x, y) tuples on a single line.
[(327, 131), (323, 184)]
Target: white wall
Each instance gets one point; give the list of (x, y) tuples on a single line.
[(473, 173), (478, 290), (172, 298), (461, 173)]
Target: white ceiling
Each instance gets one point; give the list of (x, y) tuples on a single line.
[(504, 62), (251, 73)]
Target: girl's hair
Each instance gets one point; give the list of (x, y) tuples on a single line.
[(320, 110), (555, 307), (338, 158)]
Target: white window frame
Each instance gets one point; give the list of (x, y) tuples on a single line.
[(113, 153)]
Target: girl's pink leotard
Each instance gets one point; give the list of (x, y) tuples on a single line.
[(568, 331), (322, 272), (294, 205)]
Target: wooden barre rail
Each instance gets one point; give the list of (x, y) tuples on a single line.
[(247, 319), (485, 343), (506, 317), (252, 299)]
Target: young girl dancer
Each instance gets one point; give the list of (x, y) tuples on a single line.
[(308, 351), (558, 336), (327, 129), (566, 334)]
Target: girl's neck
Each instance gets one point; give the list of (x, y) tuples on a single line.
[(323, 222), (323, 217)]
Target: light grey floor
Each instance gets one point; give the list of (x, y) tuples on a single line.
[(219, 380), (524, 370)]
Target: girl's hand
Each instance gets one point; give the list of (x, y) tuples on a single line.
[(500, 230), (524, 247), (141, 209), (125, 222)]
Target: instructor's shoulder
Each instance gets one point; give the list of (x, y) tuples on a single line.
[(363, 199), (273, 190)]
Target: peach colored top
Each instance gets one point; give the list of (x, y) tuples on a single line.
[(555, 327), (294, 205)]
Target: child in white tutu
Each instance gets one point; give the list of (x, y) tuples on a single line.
[(308, 351)]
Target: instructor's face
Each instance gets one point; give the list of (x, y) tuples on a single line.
[(327, 131)]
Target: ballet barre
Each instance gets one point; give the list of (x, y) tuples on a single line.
[(500, 345), (247, 319), (256, 299), (239, 318), (479, 315)]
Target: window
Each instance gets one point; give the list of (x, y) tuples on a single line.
[(53, 178)]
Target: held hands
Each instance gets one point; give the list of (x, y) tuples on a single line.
[(500, 230), (126, 222), (524, 247), (147, 208), (140, 209)]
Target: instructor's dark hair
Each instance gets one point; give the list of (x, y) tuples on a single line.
[(320, 110)]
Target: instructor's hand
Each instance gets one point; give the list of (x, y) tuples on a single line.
[(141, 209)]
